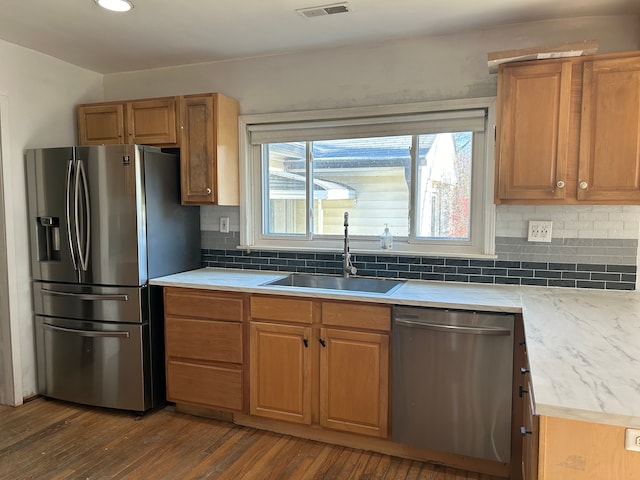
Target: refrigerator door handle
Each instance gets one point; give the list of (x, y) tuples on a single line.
[(83, 253), (68, 213), (88, 333), (87, 296)]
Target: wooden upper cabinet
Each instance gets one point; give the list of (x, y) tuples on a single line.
[(609, 168), (145, 122), (101, 124), (533, 131), (209, 150), (568, 131), (152, 122)]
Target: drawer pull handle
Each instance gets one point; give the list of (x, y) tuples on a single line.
[(524, 432), (521, 391), (322, 342), (306, 342), (524, 370)]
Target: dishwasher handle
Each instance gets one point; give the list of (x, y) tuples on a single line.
[(440, 327)]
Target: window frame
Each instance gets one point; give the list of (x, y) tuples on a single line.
[(482, 243)]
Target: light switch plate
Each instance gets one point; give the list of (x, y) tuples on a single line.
[(632, 439), (539, 231)]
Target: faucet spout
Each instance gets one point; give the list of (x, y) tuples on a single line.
[(347, 266)]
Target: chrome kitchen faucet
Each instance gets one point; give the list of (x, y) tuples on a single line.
[(347, 266)]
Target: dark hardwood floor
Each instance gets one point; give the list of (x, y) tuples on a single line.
[(55, 440)]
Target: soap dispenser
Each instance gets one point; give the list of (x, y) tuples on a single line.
[(386, 239)]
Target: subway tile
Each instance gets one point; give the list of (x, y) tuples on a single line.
[(562, 266), (507, 264), (482, 263), (561, 283), (440, 269), (518, 272), (622, 268), (591, 267), (535, 265), (495, 271), (432, 276), (547, 274), (386, 259), (627, 277), (456, 278), (587, 284), (508, 280), (470, 270), (620, 286), (457, 262), (481, 279), (607, 277), (577, 275), (432, 261)]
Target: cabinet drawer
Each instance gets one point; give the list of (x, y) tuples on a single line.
[(283, 309), (202, 303), (371, 317), (219, 387), (206, 340)]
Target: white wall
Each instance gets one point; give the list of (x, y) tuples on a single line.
[(40, 94), (401, 71)]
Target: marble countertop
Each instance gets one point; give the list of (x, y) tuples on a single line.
[(583, 345)]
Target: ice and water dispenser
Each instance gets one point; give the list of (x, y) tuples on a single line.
[(48, 229)]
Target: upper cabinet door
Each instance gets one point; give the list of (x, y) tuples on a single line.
[(197, 150), (152, 122), (609, 167), (101, 124), (209, 150), (533, 131)]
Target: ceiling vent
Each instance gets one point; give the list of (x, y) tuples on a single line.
[(324, 10)]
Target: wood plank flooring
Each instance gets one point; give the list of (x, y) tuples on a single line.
[(56, 440)]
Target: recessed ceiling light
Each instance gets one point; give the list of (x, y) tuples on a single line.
[(115, 5)]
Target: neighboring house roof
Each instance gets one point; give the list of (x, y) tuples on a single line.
[(287, 185)]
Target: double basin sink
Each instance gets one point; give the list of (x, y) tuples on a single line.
[(353, 284)]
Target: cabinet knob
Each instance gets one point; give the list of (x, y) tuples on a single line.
[(583, 185), (208, 191), (524, 370), (559, 184)]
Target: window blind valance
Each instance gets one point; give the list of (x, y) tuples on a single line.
[(383, 125)]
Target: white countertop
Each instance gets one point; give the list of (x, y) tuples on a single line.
[(583, 345)]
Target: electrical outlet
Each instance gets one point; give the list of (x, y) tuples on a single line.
[(224, 224), (632, 439), (539, 231)]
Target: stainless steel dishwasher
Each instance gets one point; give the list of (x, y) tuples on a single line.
[(452, 381)]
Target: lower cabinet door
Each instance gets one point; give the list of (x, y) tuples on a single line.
[(354, 381), (207, 385), (280, 372)]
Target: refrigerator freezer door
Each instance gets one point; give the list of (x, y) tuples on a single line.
[(93, 363), (87, 302)]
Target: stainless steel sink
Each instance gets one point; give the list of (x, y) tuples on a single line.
[(368, 285)]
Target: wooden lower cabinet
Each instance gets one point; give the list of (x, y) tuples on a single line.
[(280, 372), (304, 372), (204, 338), (579, 450), (354, 381)]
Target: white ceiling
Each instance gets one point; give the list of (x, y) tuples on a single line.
[(159, 33)]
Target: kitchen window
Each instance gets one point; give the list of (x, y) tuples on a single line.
[(420, 170)]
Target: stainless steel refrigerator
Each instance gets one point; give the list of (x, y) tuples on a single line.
[(103, 221)]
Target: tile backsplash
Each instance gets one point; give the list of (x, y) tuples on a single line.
[(592, 247)]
